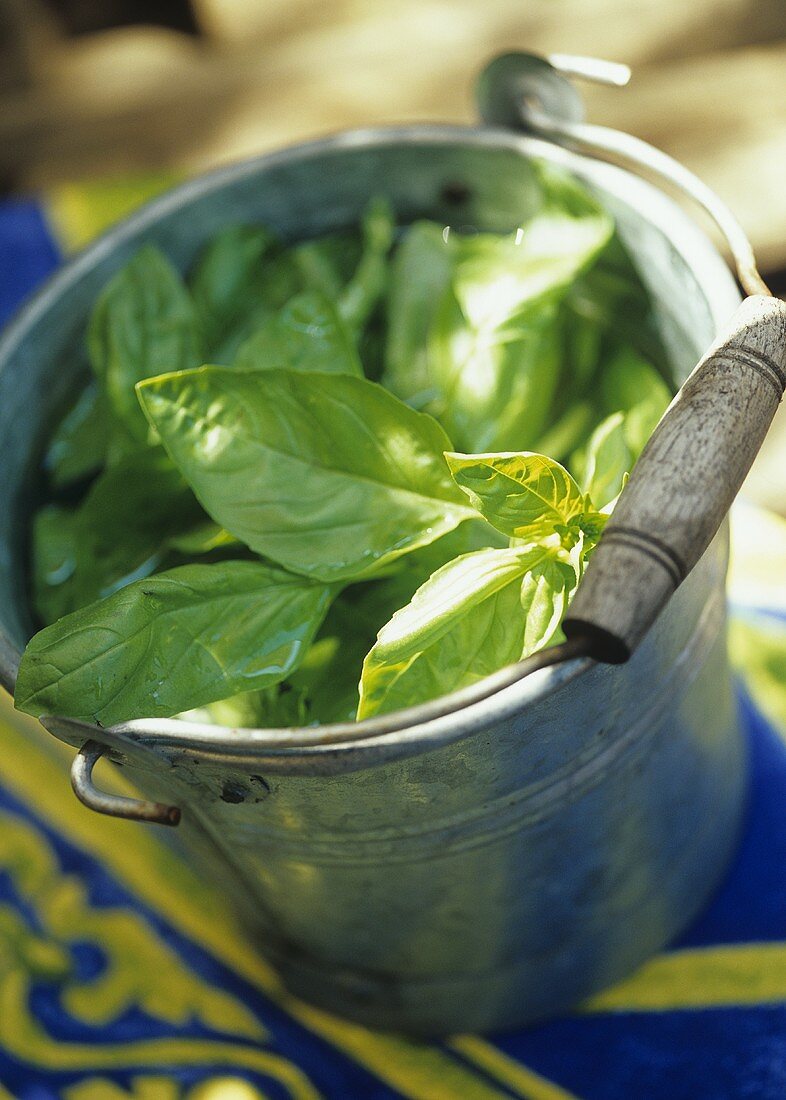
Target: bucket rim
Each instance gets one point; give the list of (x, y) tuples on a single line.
[(415, 729)]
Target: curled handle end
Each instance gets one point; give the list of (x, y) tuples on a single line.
[(134, 809)]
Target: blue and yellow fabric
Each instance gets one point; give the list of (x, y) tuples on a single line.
[(121, 977)]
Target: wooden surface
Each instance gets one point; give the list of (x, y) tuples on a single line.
[(684, 482)]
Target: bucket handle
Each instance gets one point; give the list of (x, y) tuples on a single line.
[(684, 483), (699, 455), (529, 92), (135, 809)]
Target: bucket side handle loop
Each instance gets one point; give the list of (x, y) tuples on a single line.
[(135, 809)]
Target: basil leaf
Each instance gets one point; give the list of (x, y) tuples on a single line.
[(609, 459), (546, 590), (371, 344), (55, 549), (202, 538), (582, 349), (273, 707), (227, 281), (368, 283), (181, 639), (327, 264), (496, 346), (564, 436), (631, 385), (497, 277), (281, 281), (329, 475), (79, 446), (330, 672), (495, 386), (420, 272), (593, 524), (143, 324), (610, 300), (120, 531), (306, 335), (464, 623), (526, 496), (328, 678)]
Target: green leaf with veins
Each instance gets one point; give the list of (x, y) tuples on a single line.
[(420, 272), (55, 551), (464, 623), (144, 498), (526, 496), (325, 687), (494, 385), (329, 675), (79, 446), (369, 281), (227, 281), (327, 263), (307, 334), (546, 590), (496, 344), (329, 475), (143, 324), (178, 640), (608, 460), (518, 341)]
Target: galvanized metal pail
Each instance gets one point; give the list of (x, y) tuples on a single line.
[(475, 870)]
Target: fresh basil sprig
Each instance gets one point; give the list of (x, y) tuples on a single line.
[(143, 324), (493, 607), (526, 496), (334, 531), (495, 344), (326, 474)]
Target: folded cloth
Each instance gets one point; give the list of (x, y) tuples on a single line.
[(120, 976)]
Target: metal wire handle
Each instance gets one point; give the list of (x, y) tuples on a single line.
[(536, 91), (135, 809)]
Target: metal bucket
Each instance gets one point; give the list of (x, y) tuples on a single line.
[(471, 871)]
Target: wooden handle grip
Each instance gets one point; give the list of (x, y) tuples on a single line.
[(684, 482)]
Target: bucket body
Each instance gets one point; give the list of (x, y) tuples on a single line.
[(477, 870)]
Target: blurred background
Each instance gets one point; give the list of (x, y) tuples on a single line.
[(103, 100)]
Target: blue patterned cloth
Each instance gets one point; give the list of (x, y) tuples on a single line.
[(121, 977)]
